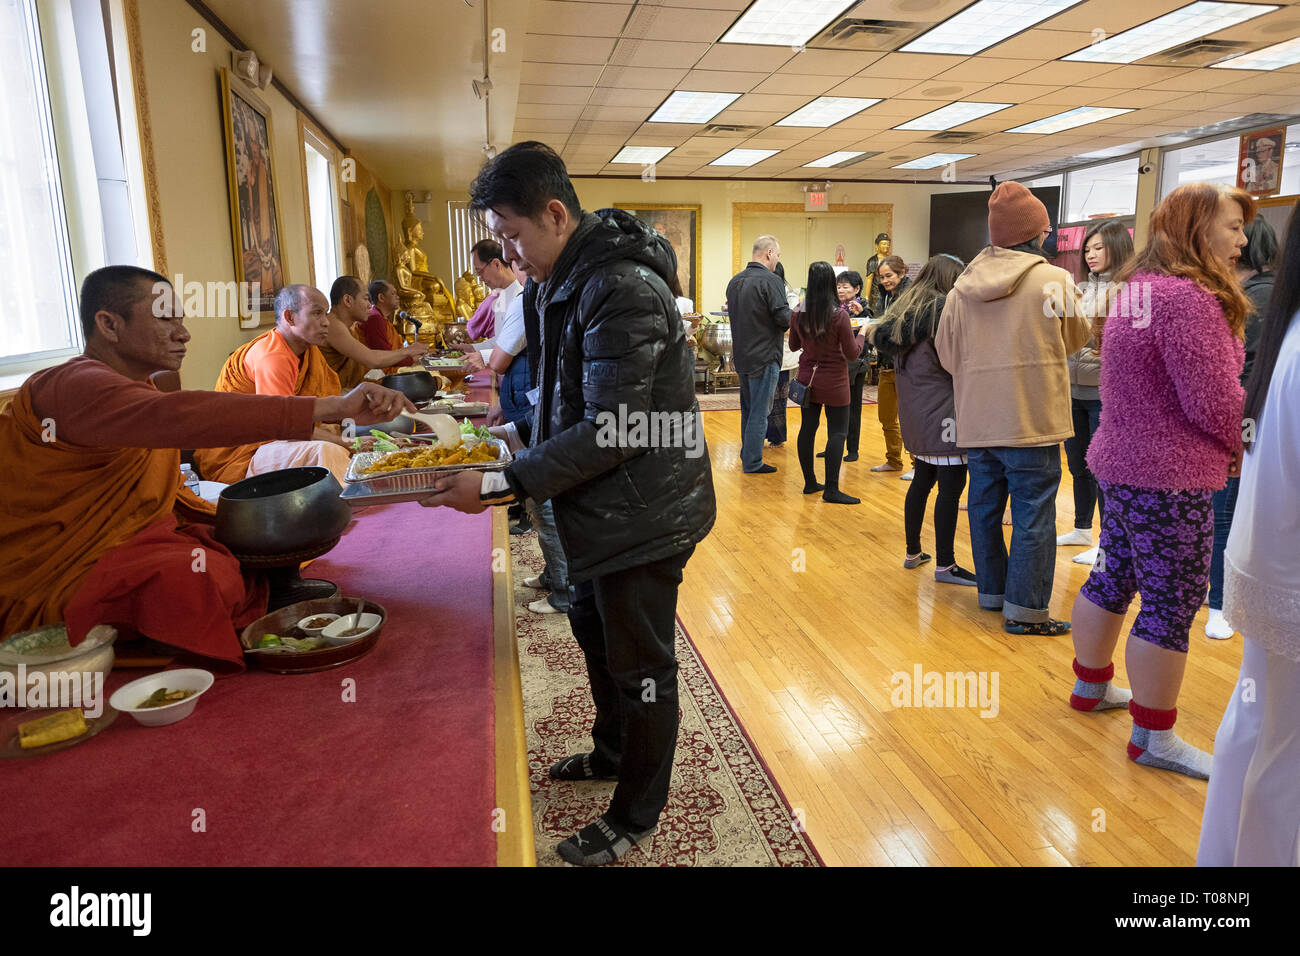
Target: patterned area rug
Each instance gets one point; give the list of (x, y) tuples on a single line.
[(729, 400), (724, 808)]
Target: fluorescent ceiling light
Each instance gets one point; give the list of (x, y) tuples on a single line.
[(1182, 26), (827, 111), (953, 115), (1069, 119), (933, 160), (685, 106), (1270, 58), (834, 159), (743, 157), (980, 26), (641, 154), (784, 22)]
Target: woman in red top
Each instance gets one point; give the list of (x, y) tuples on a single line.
[(823, 331)]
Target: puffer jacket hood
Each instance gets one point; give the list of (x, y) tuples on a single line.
[(997, 273), (610, 235)]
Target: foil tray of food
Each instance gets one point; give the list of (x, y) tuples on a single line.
[(416, 469)]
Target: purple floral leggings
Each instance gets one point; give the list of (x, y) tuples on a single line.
[(1157, 544)]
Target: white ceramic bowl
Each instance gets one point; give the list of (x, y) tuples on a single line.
[(128, 697), (313, 631), (333, 631)]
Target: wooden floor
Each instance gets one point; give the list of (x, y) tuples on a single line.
[(806, 658)]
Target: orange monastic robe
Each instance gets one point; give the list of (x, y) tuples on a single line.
[(97, 526), (265, 366)]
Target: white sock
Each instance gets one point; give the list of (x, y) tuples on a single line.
[(1086, 557), (1079, 536), (1216, 627)]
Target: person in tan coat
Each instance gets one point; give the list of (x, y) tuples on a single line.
[(1007, 327)]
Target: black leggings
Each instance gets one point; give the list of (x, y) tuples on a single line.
[(837, 426), (952, 479)]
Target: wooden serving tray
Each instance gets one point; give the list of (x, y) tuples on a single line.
[(285, 623)]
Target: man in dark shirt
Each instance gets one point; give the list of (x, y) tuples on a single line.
[(760, 316)]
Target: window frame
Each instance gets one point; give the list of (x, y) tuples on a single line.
[(310, 135)]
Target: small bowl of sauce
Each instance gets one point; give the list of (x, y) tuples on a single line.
[(347, 629)]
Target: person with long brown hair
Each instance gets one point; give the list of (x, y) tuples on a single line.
[(822, 334), (891, 283), (1107, 248), (1252, 816), (1170, 436)]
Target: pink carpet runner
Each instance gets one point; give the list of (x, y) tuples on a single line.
[(282, 768)]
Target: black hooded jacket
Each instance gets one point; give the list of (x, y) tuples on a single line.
[(612, 344)]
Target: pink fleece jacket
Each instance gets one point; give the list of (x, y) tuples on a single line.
[(1170, 397)]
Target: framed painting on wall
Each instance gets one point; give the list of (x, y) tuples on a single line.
[(1259, 161), (681, 226), (254, 203)]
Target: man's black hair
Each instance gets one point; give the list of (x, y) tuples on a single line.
[(378, 288), (344, 286), (487, 250), (1260, 252), (115, 289), (523, 179)]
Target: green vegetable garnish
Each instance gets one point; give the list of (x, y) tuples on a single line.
[(270, 640)]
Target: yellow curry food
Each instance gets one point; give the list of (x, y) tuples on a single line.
[(435, 458)]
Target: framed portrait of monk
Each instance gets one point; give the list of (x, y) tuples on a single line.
[(680, 225), (1259, 161), (254, 203)]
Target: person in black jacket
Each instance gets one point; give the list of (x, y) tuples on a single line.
[(891, 283), (760, 315), (619, 449), (1255, 270)]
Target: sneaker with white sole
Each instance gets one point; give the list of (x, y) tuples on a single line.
[(1217, 627), (1080, 537), (1086, 557)]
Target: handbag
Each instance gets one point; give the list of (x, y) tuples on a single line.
[(799, 391)]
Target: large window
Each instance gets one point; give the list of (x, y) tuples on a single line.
[(39, 306), (465, 229), (319, 163), (1101, 191), (1216, 162)]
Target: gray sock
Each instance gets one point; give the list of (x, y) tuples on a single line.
[(1106, 695), (1165, 750)]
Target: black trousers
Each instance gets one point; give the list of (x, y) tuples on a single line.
[(625, 623), (1087, 496), (951, 480), (837, 423), (857, 380)]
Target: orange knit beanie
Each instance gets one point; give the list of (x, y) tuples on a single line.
[(1015, 215)]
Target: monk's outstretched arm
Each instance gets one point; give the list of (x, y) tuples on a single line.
[(95, 406), (342, 342)]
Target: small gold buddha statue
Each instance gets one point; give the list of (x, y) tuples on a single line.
[(422, 294)]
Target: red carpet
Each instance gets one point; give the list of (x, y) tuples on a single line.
[(285, 771)]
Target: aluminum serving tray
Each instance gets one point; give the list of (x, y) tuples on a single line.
[(406, 480)]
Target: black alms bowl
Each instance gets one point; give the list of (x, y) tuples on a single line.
[(281, 512), (417, 386)]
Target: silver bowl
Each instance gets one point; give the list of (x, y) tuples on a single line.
[(282, 512), (716, 338)]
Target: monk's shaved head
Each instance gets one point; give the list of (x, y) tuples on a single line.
[(116, 289)]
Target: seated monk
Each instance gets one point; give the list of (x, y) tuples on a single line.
[(346, 352), (284, 361), (377, 330), (97, 525)]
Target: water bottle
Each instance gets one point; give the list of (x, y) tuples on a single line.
[(191, 479)]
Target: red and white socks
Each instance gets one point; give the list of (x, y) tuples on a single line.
[(1154, 743), (1093, 689)]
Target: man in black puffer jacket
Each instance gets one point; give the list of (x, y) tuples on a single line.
[(618, 447)]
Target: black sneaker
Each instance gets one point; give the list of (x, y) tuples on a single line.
[(603, 842), (578, 767)]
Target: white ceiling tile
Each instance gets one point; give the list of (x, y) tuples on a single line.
[(661, 53), (553, 94), (665, 23), (803, 84), (648, 100), (632, 114), (871, 86), (720, 81), (554, 49), (917, 66), (1068, 96), (1040, 44), (986, 69), (563, 18), (745, 57), (830, 62), (569, 111), (947, 90), (643, 77), (559, 74), (1134, 77)]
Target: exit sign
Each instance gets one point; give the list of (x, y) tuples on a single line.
[(814, 201)]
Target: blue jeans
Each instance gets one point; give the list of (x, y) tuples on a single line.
[(542, 514), (1225, 503), (513, 390), (1020, 583), (756, 391)]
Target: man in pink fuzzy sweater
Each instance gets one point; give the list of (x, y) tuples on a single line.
[(1170, 435)]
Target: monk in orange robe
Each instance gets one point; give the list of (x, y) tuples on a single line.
[(97, 526), (345, 348), (287, 360)]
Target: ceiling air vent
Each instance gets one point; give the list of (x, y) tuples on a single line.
[(853, 33), (722, 129), (1198, 53), (952, 137), (855, 160)]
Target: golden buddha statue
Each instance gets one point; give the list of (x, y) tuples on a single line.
[(422, 294)]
